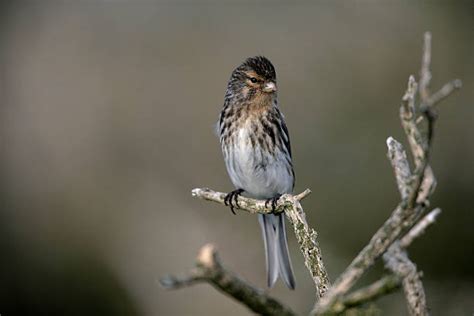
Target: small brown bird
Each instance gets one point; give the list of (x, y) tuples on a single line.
[(257, 153)]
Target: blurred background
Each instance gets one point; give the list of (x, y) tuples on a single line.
[(107, 116)]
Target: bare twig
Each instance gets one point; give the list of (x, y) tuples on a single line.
[(381, 287), (306, 236), (172, 282), (428, 99), (389, 283), (397, 156), (385, 285), (444, 92), (209, 269), (408, 119), (401, 218), (397, 261), (419, 228), (425, 73), (427, 187), (419, 147)]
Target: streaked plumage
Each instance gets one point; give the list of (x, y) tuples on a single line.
[(256, 148)]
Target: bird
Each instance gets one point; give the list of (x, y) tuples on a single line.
[(256, 147)]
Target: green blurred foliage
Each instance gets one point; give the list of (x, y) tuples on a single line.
[(108, 109)]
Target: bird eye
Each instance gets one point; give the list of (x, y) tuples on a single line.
[(253, 80)]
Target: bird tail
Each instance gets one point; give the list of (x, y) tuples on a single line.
[(276, 249)]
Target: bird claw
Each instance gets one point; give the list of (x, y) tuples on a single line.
[(233, 196), (274, 201)]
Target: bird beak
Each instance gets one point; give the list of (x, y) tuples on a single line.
[(269, 87)]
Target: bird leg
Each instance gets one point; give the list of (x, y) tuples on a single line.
[(274, 201), (233, 196)]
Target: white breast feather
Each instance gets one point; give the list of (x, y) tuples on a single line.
[(258, 182)]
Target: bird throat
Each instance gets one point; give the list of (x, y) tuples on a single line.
[(259, 102)]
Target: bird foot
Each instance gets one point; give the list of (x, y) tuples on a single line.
[(274, 201), (233, 196)]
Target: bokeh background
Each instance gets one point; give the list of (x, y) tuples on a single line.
[(107, 116)]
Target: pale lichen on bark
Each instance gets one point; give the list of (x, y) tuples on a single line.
[(306, 236)]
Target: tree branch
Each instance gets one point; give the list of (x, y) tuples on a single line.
[(250, 205), (209, 269), (401, 218), (381, 287), (444, 92), (306, 236), (415, 187), (428, 100), (419, 228), (398, 158), (392, 282), (397, 261), (425, 72)]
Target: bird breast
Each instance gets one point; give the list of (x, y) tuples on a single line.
[(254, 164)]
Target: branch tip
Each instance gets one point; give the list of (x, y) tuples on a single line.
[(457, 83), (207, 256), (303, 194), (167, 281), (420, 228), (389, 141)]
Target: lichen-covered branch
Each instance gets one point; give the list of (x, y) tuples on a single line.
[(401, 218), (397, 261), (305, 235), (248, 204), (397, 156), (370, 293), (419, 228), (309, 246), (210, 270), (408, 120), (400, 267), (415, 186)]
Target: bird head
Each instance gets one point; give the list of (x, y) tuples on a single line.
[(255, 78)]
